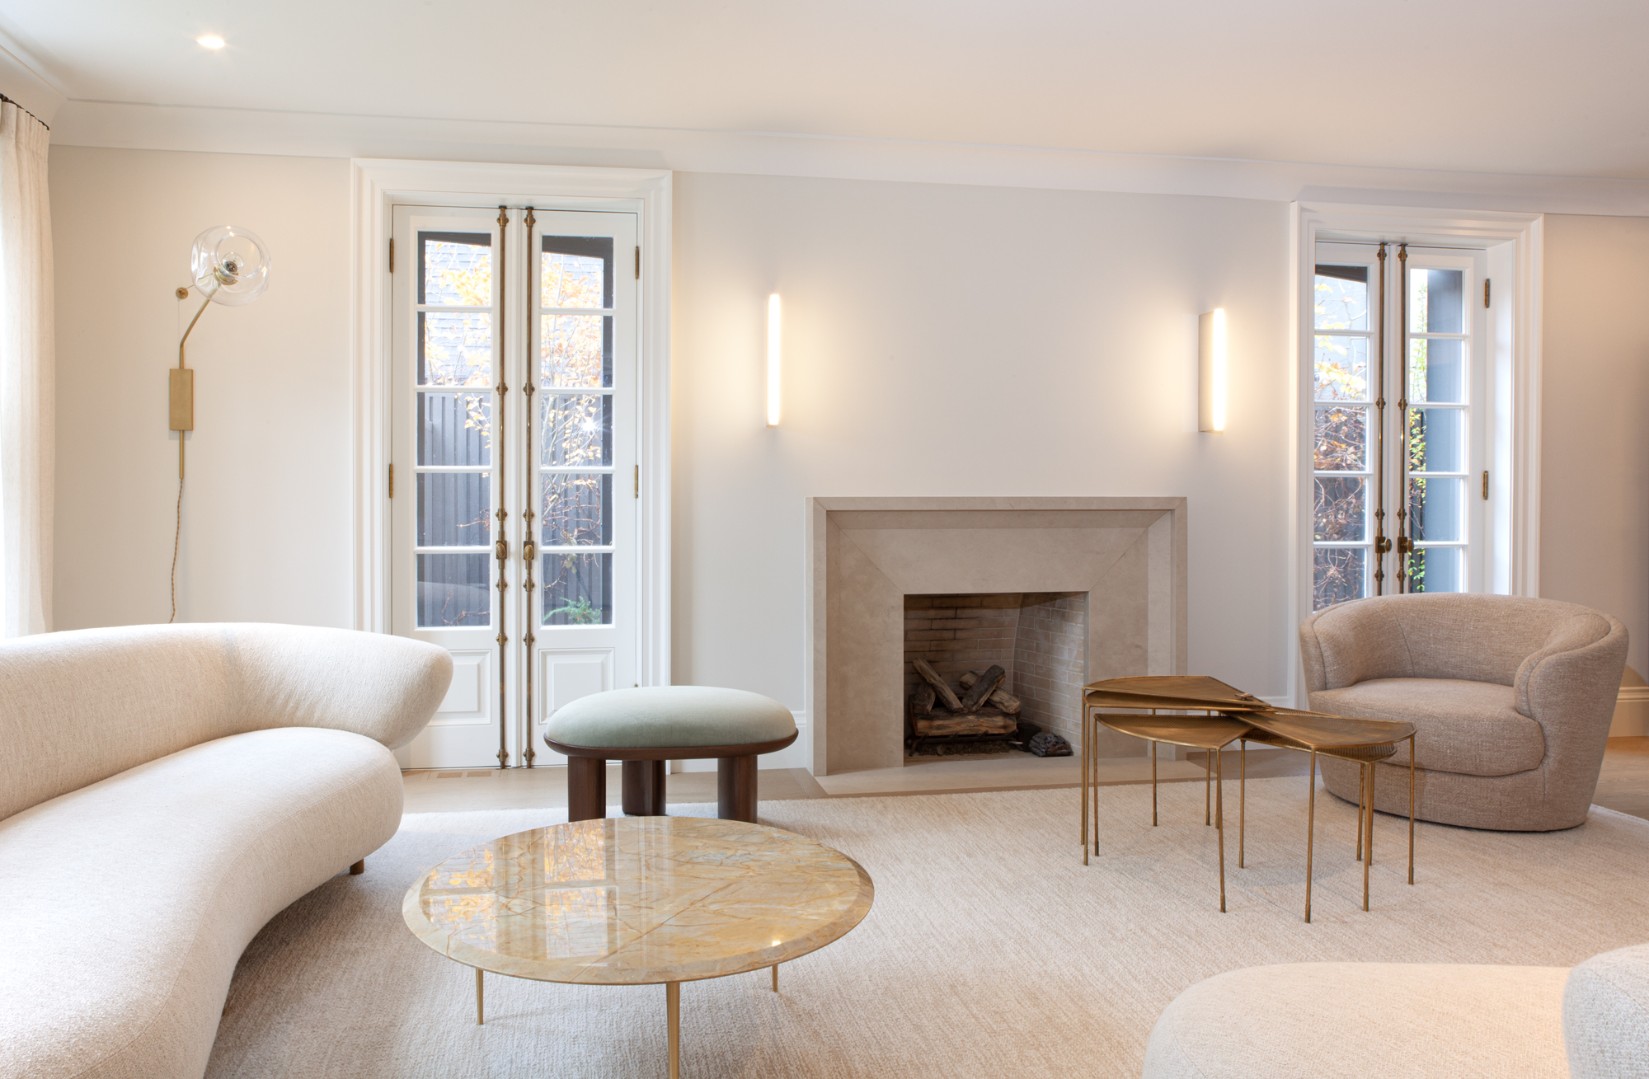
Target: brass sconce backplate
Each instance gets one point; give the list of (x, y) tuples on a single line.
[(182, 397)]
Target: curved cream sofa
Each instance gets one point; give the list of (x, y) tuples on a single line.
[(1511, 699), (164, 792), (1321, 1020)]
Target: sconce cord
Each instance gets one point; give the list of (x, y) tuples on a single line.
[(177, 530)]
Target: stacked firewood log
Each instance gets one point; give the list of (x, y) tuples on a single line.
[(978, 706)]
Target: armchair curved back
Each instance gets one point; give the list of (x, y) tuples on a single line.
[(1479, 638)]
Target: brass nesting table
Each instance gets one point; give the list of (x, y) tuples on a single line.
[(638, 901), (1224, 714)]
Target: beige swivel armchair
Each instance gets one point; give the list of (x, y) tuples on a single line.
[(1511, 698)]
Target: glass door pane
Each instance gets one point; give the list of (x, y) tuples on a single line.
[(575, 296), (1342, 431), (1438, 385), (452, 488)]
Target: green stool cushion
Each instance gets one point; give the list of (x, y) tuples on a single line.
[(660, 716)]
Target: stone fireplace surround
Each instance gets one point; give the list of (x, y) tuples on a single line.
[(1127, 555)]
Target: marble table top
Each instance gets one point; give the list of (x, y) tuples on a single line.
[(638, 900)]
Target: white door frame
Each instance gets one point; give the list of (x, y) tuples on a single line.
[(376, 185), (1516, 401)]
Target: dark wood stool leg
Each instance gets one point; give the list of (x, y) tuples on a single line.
[(644, 788), (586, 788), (736, 788)]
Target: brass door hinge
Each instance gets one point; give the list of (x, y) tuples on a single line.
[(392, 254), (638, 262), (1485, 485), (1485, 292), (392, 481), (638, 481)]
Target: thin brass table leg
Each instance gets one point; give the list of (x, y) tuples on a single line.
[(1093, 778), (1310, 831), (1369, 845), (1153, 784), (1411, 809), (1362, 805), (672, 1009), (1086, 717), (480, 1011), (1219, 819), (1368, 848), (1367, 822), (1242, 797), (775, 977), (1207, 797)]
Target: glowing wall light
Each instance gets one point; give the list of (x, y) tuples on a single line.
[(775, 359), (1211, 371)]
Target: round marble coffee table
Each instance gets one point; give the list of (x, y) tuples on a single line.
[(638, 901)]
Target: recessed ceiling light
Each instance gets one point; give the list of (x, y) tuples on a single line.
[(210, 41)]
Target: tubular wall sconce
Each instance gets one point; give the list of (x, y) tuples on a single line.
[(1212, 372), (229, 266), (775, 359)]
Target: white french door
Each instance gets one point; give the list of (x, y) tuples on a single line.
[(1399, 449), (515, 436)]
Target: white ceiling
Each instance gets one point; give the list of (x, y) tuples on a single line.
[(1498, 86)]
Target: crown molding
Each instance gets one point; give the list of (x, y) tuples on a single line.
[(222, 130), (24, 80)]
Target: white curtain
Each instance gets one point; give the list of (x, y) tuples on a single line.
[(27, 406)]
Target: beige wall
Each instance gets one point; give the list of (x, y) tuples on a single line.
[(1594, 447), (267, 510)]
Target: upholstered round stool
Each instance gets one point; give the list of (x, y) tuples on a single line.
[(644, 728)]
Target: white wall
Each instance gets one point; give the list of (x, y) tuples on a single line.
[(1594, 446), (946, 340), (940, 340), (266, 531)]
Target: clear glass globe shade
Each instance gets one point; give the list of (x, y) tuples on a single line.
[(230, 264)]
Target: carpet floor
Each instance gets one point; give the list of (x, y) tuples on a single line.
[(990, 951)]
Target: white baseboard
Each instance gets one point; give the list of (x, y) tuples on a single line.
[(1631, 713)]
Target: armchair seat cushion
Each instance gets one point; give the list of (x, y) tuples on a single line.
[(1470, 728)]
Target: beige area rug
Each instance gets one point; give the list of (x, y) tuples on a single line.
[(991, 949)]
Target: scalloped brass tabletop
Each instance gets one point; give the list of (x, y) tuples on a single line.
[(638, 901)]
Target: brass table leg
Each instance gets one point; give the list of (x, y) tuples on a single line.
[(1207, 776), (1219, 819), (1086, 716), (1153, 784), (479, 1010), (775, 977), (1242, 797), (1362, 795), (672, 1009), (1093, 777), (1368, 848), (1310, 831), (1411, 809)]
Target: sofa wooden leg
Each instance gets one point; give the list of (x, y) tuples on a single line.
[(644, 788), (736, 788), (586, 788), (358, 868)]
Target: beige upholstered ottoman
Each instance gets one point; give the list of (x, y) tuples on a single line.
[(644, 728)]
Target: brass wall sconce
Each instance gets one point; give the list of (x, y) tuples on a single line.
[(1212, 373), (775, 359), (229, 266)]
